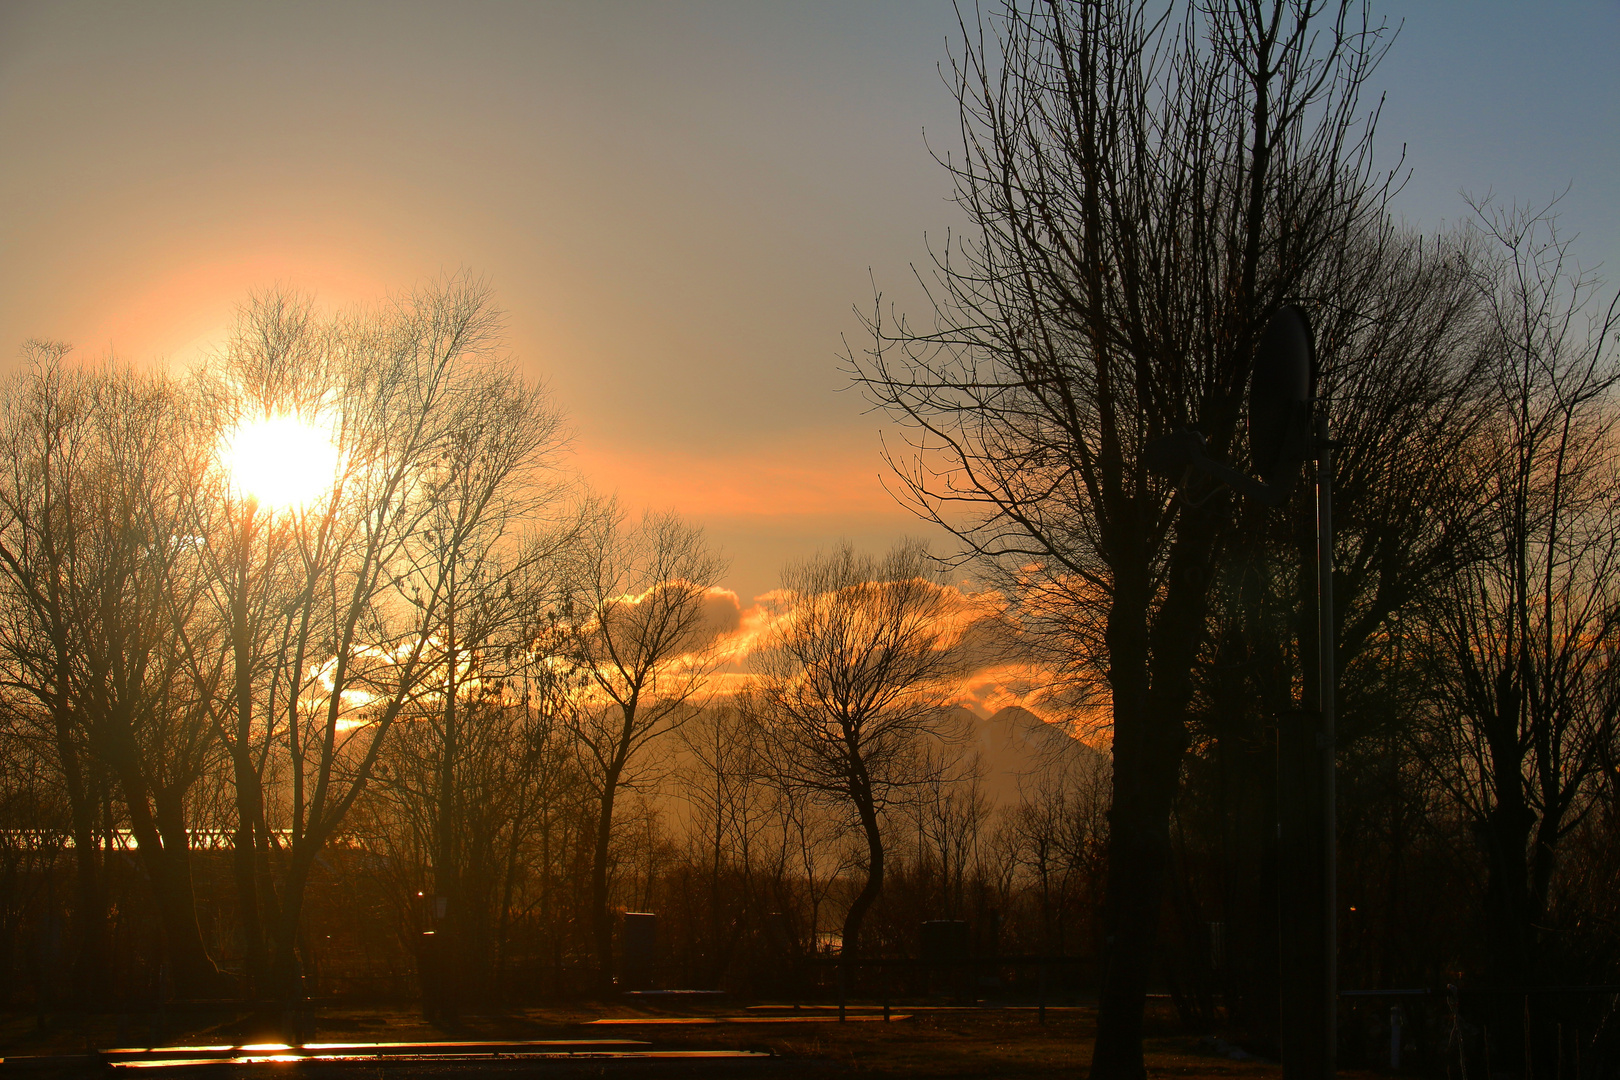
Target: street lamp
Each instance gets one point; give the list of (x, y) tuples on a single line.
[(1287, 425)]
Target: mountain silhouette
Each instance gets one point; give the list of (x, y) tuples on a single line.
[(1014, 745)]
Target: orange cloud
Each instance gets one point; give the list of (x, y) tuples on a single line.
[(722, 612), (748, 628), (1039, 690), (1001, 673)]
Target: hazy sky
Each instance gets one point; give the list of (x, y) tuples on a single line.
[(678, 204)]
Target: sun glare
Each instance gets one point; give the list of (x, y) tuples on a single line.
[(281, 460)]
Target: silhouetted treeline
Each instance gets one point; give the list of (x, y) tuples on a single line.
[(410, 702)]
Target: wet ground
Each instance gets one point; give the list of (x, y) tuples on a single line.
[(677, 1039)]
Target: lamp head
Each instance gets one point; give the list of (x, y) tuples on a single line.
[(1280, 396)]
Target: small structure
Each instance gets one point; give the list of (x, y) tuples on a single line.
[(638, 943)]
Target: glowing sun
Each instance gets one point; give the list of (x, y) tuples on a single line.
[(281, 460)]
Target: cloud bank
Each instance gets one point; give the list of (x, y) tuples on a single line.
[(1001, 672)]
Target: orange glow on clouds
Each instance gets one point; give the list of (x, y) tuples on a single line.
[(998, 677)]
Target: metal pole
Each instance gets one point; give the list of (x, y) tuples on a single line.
[(1326, 690), (1396, 1018)]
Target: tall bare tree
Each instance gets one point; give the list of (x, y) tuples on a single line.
[(279, 361), (45, 443), (1142, 192), (401, 393), (720, 782), (487, 492), (1403, 364)]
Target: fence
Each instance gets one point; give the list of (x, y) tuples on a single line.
[(1477, 1032), (961, 978)]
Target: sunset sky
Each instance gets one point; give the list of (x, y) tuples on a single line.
[(677, 204)]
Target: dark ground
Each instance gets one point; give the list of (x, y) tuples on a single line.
[(944, 1043)]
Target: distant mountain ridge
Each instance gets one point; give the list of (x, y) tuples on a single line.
[(1014, 744)]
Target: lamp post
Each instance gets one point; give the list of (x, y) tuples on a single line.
[(1326, 693), (1287, 426)]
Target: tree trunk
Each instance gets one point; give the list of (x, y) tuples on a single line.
[(245, 859), (1150, 674), (1505, 833), (850, 949), (195, 974), (89, 902), (286, 974), (1147, 754), (157, 819), (249, 795), (450, 929), (717, 950), (1509, 918), (601, 917)]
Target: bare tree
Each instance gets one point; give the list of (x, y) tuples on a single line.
[(45, 444), (486, 491), (640, 637), (853, 680), (101, 565), (357, 642), (1522, 680), (1142, 193), (804, 848), (279, 361), (512, 766), (950, 810), (1056, 836), (1401, 353)]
